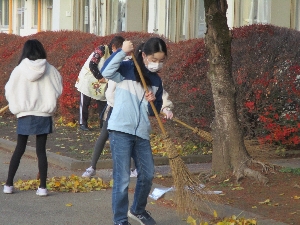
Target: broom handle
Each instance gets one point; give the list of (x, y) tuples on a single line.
[(146, 89), (2, 110), (204, 134), (179, 121)]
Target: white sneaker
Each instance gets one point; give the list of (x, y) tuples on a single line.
[(41, 192), (133, 173), (8, 189), (89, 172)]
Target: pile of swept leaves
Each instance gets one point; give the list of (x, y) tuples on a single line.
[(65, 184)]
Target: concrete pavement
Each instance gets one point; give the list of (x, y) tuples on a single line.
[(24, 207)]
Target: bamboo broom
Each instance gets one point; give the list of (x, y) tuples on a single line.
[(2, 110), (189, 194)]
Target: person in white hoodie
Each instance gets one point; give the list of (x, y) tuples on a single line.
[(32, 92)]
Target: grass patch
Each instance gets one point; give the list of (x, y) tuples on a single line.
[(290, 170)]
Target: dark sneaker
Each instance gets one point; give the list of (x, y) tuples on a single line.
[(122, 223), (84, 127), (144, 218)]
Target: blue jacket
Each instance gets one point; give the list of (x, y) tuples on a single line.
[(131, 109)]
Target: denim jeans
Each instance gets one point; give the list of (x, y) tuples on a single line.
[(123, 147)]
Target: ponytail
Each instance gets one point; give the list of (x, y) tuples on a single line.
[(140, 61)]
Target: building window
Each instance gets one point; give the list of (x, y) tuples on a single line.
[(259, 11), (4, 11), (21, 6), (297, 15), (35, 13), (49, 4), (81, 15), (117, 16), (201, 19)]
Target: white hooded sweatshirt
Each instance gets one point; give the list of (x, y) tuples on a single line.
[(33, 88)]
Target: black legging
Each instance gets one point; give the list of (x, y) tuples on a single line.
[(18, 153)]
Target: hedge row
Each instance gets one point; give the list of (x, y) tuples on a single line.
[(266, 72)]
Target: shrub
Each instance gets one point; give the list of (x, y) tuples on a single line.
[(265, 69)]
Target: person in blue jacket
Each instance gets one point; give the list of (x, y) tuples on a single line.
[(129, 125)]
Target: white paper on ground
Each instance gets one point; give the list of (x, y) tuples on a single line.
[(201, 186), (158, 192)]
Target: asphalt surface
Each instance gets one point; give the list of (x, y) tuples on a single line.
[(25, 207)]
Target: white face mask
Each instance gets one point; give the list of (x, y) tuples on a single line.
[(154, 67)]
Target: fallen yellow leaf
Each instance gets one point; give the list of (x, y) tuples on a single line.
[(237, 188), (69, 204), (265, 202), (215, 214), (191, 220), (111, 183)]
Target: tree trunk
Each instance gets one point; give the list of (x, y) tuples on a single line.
[(229, 151)]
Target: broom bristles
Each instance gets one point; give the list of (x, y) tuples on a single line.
[(190, 194)]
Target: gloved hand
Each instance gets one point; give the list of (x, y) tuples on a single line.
[(168, 113), (98, 53)]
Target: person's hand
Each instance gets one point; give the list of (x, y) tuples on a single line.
[(150, 97), (103, 80), (127, 46), (98, 53), (168, 113)]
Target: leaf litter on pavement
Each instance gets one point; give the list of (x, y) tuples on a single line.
[(70, 183)]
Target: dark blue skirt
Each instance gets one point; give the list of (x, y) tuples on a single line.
[(34, 125)]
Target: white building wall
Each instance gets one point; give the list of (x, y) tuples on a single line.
[(15, 18), (62, 15), (152, 25), (280, 13), (161, 16), (230, 13), (103, 19), (55, 15), (134, 15)]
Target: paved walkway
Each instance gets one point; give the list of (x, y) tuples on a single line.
[(24, 207)]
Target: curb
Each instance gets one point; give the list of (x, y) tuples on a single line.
[(74, 164)]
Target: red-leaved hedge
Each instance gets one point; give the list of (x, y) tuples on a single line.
[(266, 71)]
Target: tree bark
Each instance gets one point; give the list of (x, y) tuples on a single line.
[(229, 151)]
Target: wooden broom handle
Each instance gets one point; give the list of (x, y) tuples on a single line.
[(2, 110), (146, 89), (204, 134)]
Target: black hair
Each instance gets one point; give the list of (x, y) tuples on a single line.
[(153, 45), (33, 50), (117, 41)]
